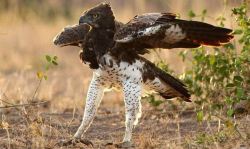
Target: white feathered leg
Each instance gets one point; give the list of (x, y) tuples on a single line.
[(93, 100), (132, 94)]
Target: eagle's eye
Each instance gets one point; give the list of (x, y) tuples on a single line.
[(95, 16)]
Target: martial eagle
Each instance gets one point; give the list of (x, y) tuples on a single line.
[(113, 51)]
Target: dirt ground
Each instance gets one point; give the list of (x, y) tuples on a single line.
[(159, 128)]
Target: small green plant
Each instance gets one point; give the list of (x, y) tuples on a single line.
[(50, 61), (220, 79), (152, 100), (207, 139), (164, 66), (42, 75), (192, 15)]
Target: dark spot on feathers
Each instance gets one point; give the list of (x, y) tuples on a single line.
[(111, 63)]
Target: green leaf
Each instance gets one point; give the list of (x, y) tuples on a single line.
[(229, 46), (199, 116), (237, 32), (55, 63), (239, 92), (229, 101), (212, 59), (230, 112), (45, 77), (204, 12), (55, 58), (238, 78), (223, 70), (151, 99), (48, 58), (191, 14)]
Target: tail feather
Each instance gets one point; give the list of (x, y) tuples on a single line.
[(175, 83), (163, 83)]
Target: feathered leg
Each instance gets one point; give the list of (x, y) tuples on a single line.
[(132, 94), (94, 98)]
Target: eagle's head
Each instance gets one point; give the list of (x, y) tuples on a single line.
[(100, 16)]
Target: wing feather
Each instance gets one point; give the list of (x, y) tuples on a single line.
[(141, 26), (163, 30), (72, 35), (76, 34)]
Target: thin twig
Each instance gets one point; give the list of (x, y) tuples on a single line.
[(35, 92), (7, 98), (73, 116), (240, 134), (23, 105)]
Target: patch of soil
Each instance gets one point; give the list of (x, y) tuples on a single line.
[(157, 128)]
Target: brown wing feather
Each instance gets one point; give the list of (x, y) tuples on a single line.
[(75, 34), (163, 30), (166, 17), (132, 30), (205, 34), (72, 35)]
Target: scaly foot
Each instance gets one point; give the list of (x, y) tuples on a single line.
[(74, 141)]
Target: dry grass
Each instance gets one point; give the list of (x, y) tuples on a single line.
[(23, 46), (35, 127)]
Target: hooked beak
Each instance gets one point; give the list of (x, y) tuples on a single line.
[(87, 20), (84, 20)]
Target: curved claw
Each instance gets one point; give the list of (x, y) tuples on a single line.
[(86, 142), (124, 145), (74, 142)]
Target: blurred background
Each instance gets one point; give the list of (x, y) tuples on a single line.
[(27, 28)]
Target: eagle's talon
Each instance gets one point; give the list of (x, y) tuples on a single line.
[(86, 142), (74, 142), (127, 144), (108, 143)]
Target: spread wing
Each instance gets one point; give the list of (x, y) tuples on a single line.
[(163, 30), (72, 35)]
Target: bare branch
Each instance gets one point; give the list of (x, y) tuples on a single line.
[(22, 105)]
